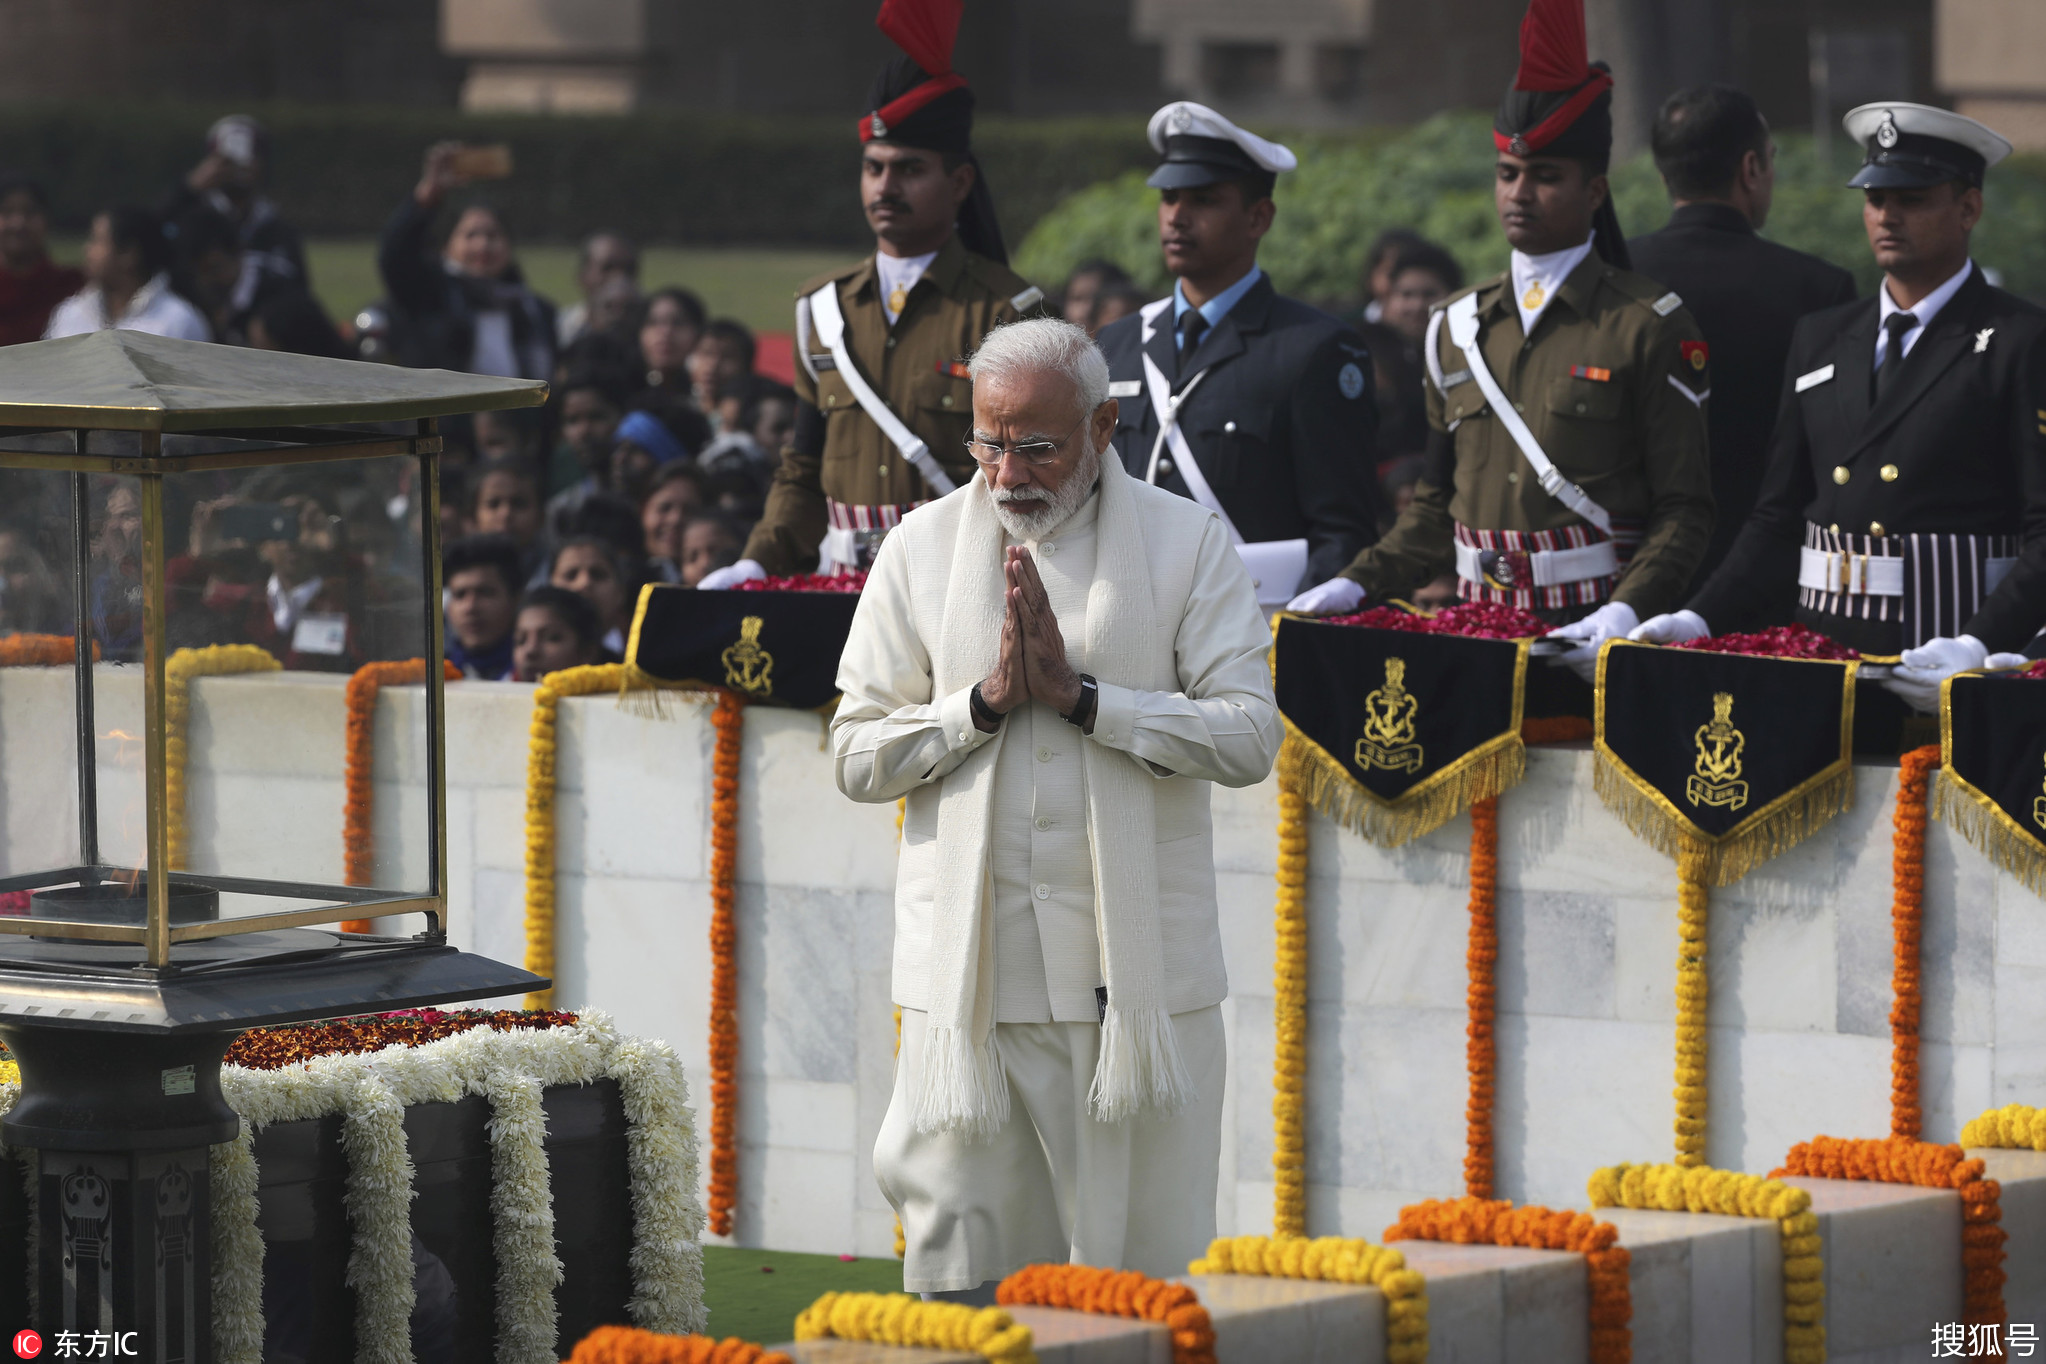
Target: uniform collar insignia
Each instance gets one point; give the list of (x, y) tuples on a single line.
[(1982, 339)]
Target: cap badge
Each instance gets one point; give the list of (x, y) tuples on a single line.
[(1518, 145), (1180, 120), (874, 122), (1886, 131)]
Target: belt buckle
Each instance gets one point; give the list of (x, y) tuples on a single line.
[(867, 545), (1505, 570)]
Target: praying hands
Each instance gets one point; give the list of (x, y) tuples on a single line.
[(1032, 664)]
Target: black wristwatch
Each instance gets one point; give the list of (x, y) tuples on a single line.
[(1083, 709), (981, 709)]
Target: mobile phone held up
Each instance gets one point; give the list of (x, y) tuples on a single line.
[(254, 522), (493, 162)]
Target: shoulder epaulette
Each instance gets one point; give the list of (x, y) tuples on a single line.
[(816, 282), (999, 280), (1027, 300)]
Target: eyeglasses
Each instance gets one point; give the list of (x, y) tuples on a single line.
[(990, 454)]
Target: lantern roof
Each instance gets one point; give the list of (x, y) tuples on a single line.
[(136, 381)]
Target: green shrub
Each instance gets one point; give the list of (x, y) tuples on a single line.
[(1437, 179)]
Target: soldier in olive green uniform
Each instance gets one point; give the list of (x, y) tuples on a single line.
[(884, 404), (1606, 377)]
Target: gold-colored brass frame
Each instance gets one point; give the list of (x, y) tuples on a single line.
[(157, 934)]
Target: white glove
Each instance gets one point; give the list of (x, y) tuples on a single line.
[(1998, 662), (1611, 621), (725, 579), (1333, 598), (1678, 627), (1918, 676)]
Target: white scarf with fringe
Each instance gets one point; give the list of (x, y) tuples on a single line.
[(963, 1087)]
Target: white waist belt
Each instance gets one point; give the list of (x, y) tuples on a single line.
[(1872, 575), (1547, 567), (1851, 575)]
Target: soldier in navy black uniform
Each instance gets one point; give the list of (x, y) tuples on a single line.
[(1273, 398), (1716, 156), (1904, 507)]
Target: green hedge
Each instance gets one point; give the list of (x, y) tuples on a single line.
[(1437, 179), (678, 178)]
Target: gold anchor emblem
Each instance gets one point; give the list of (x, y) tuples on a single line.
[(747, 665), (2039, 809), (1716, 780), (1389, 712)]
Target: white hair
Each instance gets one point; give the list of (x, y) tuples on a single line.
[(1039, 345)]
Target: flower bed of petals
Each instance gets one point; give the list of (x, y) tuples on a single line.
[(1783, 641), (2031, 671), (1928, 1165), (1118, 1293), (1697, 1188), (899, 1319), (1482, 1221), (1472, 619), (630, 1345), (273, 1048), (1333, 1259), (808, 582)]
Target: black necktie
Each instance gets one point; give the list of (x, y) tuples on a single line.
[(1893, 351), (1192, 326)]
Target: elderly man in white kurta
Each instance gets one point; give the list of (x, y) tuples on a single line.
[(1052, 664)]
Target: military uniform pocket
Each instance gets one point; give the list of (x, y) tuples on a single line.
[(1231, 445), (1586, 399)]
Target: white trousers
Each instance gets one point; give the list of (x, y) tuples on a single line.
[(1054, 1184)]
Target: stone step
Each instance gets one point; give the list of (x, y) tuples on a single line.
[(2023, 1176), (1706, 1289), (861, 1352)]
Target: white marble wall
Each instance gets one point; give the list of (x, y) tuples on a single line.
[(1800, 958)]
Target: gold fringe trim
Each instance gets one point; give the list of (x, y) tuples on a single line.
[(1786, 822), (1306, 767), (1984, 823), (642, 694)]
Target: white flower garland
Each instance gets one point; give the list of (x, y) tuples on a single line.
[(511, 1069)]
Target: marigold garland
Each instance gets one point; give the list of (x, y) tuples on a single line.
[(1929, 1165), (1481, 959), (1289, 1020), (899, 1319), (179, 670), (2014, 1127), (1907, 921), (1696, 1188), (630, 1345), (724, 969), (41, 651), (585, 681), (358, 809), (1694, 896), (1118, 1293), (1479, 1221), (1333, 1259)]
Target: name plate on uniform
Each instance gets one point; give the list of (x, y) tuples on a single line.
[(1992, 784), (1395, 732), (1728, 759), (776, 648)]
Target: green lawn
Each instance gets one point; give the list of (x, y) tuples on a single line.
[(757, 285), (761, 1307)]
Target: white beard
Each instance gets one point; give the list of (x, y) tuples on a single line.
[(1031, 514)]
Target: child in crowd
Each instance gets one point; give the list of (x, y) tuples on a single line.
[(721, 357), (504, 499), (679, 493), (481, 577), (592, 405), (708, 544), (647, 440), (595, 569), (556, 629)]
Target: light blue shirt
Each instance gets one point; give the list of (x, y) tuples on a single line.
[(1216, 308)]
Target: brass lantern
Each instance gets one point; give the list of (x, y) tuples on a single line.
[(198, 544)]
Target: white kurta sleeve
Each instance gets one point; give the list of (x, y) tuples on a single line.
[(890, 735), (1222, 725)]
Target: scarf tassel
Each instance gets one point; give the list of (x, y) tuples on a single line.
[(1140, 1069), (964, 1088)]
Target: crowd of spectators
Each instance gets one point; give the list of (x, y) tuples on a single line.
[(649, 462)]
